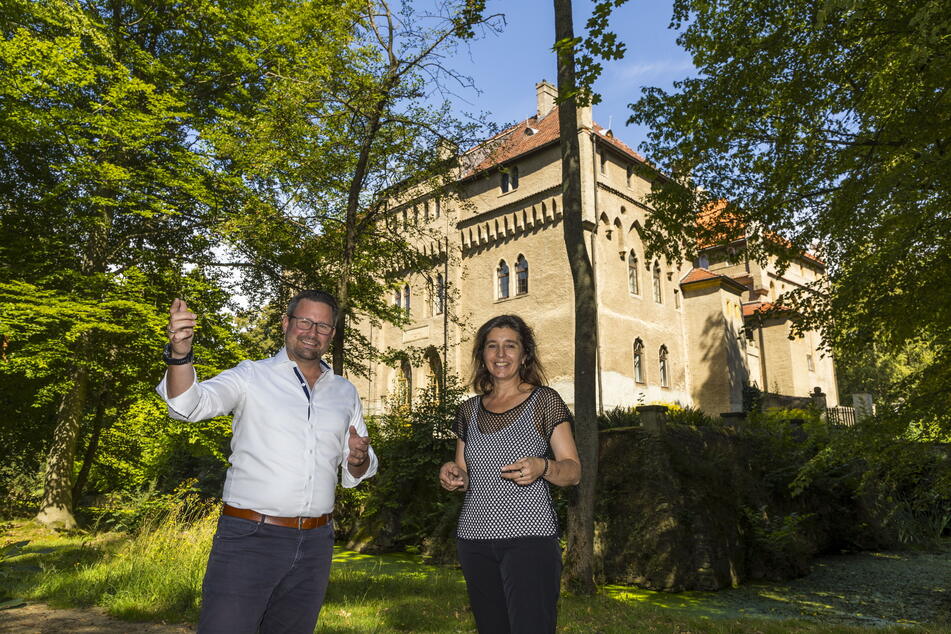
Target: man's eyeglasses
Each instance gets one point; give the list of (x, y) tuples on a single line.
[(304, 324)]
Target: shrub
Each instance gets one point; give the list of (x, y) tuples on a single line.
[(680, 415), (619, 417), (403, 507)]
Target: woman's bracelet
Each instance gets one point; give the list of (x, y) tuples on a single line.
[(545, 472)]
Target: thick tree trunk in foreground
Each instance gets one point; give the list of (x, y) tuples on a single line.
[(91, 448), (56, 507), (579, 561)]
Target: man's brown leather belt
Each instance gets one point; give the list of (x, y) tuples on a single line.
[(303, 523)]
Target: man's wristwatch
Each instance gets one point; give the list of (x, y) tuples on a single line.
[(168, 359)]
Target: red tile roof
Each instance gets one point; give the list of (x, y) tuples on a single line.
[(618, 143), (698, 274), (515, 141), (760, 308), (527, 136)]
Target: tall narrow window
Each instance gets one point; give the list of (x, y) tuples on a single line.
[(513, 176), (676, 298), (397, 298), (437, 208), (658, 291), (504, 184), (406, 376), (630, 175), (633, 281), (603, 160), (638, 361), (406, 300), (435, 367), (521, 275), (662, 366), (426, 211), (440, 303), (502, 273)]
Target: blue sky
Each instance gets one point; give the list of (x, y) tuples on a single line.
[(507, 66)]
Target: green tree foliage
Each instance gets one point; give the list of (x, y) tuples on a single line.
[(107, 193), (337, 141), (825, 125)]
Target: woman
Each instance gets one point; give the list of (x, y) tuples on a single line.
[(511, 445)]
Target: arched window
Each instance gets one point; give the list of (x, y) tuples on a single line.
[(397, 298), (406, 300), (439, 300), (630, 175), (502, 274), (513, 176), (658, 291), (633, 275), (521, 275), (638, 361), (406, 380), (434, 364), (662, 366)]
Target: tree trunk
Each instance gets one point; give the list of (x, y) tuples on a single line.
[(579, 561), (90, 454), (56, 507)]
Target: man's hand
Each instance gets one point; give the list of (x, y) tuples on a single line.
[(359, 451), (452, 477), (181, 328)]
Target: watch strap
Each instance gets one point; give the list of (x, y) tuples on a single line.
[(170, 360)]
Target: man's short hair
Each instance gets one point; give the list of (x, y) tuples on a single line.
[(314, 296)]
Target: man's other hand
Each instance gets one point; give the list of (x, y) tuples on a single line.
[(359, 448)]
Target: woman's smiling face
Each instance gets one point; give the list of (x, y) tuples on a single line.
[(503, 353)]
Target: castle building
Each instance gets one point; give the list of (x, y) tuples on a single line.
[(668, 332)]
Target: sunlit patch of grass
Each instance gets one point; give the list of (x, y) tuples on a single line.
[(155, 575)]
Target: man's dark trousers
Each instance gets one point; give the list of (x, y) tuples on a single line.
[(264, 578)]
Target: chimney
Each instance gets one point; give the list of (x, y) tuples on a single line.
[(545, 94)]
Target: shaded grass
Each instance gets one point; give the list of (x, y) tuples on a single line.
[(156, 575)]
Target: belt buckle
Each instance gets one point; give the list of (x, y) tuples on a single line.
[(300, 523)]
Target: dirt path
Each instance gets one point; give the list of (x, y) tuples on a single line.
[(37, 618)]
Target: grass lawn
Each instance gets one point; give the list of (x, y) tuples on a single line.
[(157, 576)]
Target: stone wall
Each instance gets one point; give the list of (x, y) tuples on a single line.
[(705, 508)]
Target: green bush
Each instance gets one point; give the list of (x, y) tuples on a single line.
[(680, 415), (131, 511), (619, 417), (403, 507)]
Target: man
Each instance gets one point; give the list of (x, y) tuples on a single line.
[(294, 423)]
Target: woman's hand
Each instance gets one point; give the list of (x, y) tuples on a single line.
[(452, 477), (524, 471)]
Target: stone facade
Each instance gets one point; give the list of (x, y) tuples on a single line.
[(667, 331)]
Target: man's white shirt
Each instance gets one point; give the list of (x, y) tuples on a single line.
[(288, 439)]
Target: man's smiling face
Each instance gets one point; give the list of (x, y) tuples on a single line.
[(307, 344)]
